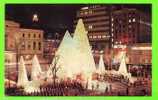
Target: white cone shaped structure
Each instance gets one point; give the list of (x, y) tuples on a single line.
[(85, 53), (36, 69), (22, 74), (66, 57), (101, 67), (123, 68)]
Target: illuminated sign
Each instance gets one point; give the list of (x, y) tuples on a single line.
[(141, 48), (120, 46)]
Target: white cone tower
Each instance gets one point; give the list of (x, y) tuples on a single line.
[(22, 74), (66, 54), (86, 57), (101, 67), (123, 68), (36, 69)]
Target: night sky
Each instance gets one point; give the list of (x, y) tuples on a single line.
[(52, 18)]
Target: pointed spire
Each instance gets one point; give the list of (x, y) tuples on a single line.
[(81, 38), (66, 40), (65, 55), (80, 28), (22, 74), (36, 69)]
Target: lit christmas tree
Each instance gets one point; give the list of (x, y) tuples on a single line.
[(36, 69), (123, 68), (86, 58), (22, 74), (64, 55)]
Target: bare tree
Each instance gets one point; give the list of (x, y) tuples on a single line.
[(54, 68)]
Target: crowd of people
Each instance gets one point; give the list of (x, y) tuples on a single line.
[(57, 89), (141, 86), (75, 88)]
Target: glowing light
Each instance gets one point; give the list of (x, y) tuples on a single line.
[(120, 46), (123, 68), (22, 74), (36, 69), (141, 48), (35, 18), (83, 8), (101, 67)]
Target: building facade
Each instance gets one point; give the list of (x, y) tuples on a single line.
[(96, 19), (130, 26), (140, 54), (30, 42), (50, 47), (22, 41), (11, 29)]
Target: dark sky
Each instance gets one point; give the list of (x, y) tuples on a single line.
[(52, 18)]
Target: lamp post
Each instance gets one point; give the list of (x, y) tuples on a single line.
[(16, 49), (17, 44)]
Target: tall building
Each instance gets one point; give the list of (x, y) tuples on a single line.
[(130, 26), (11, 29), (96, 19), (22, 41)]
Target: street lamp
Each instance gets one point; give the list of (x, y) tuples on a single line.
[(16, 49), (17, 44)]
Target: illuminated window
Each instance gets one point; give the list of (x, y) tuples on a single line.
[(112, 24), (112, 29), (112, 34), (112, 19), (90, 26), (104, 36), (94, 37), (90, 36), (129, 20), (120, 42), (99, 36), (134, 19), (85, 12)]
